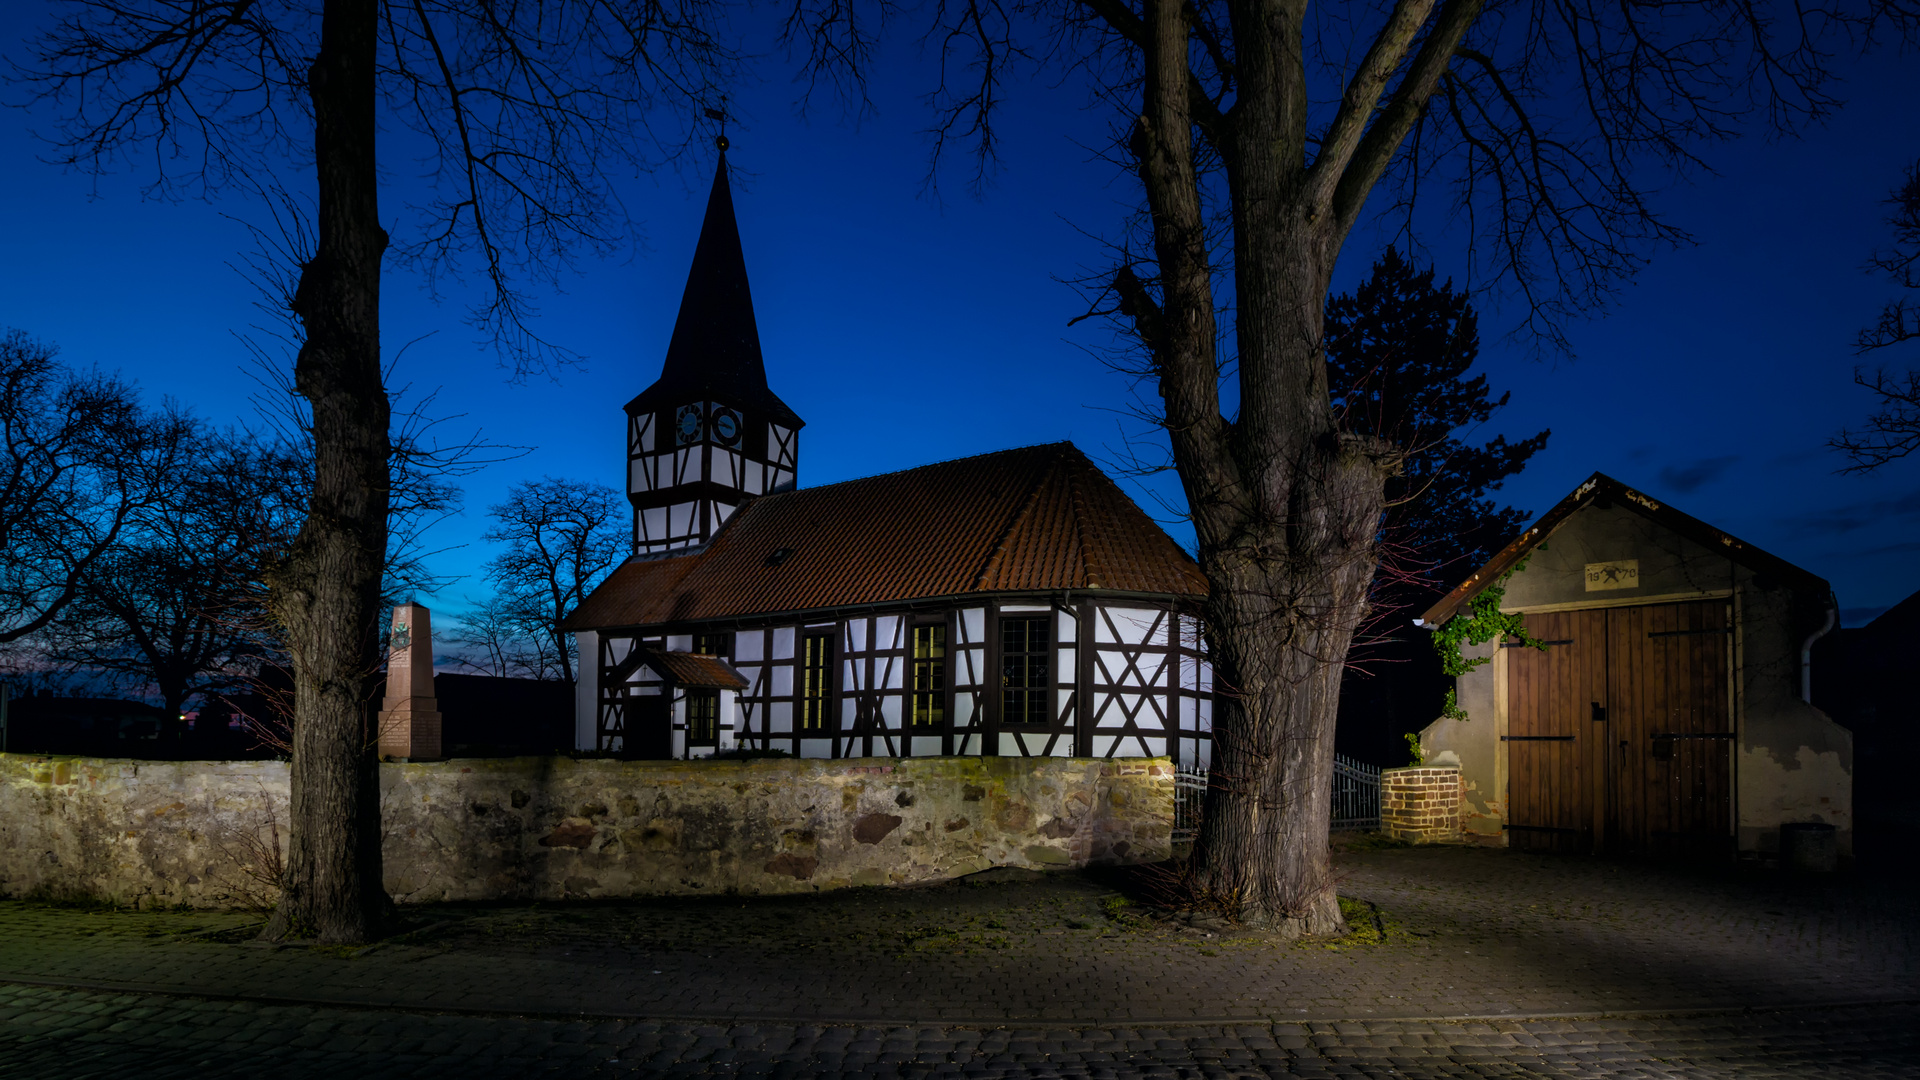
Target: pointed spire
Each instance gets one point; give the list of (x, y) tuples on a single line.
[(716, 335), (715, 349)]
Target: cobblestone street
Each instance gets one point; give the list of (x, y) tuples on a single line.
[(1465, 963), (64, 1033)]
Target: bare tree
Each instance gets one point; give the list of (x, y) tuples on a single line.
[(1260, 132), (561, 538), (500, 637), (176, 607), (1893, 430), (523, 109), (79, 460)]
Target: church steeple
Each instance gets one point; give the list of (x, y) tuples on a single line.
[(709, 432)]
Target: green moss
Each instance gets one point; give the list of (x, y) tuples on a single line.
[(1120, 911), (1367, 925)]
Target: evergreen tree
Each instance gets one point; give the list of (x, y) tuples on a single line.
[(1398, 352)]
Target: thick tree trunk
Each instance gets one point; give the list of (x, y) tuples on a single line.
[(326, 593), (1285, 598), (1285, 507)]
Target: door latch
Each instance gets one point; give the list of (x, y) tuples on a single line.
[(1599, 713)]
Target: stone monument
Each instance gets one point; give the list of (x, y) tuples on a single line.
[(410, 717)]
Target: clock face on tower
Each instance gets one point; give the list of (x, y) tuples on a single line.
[(726, 427), (688, 424)]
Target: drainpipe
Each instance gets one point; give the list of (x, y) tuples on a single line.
[(1806, 649)]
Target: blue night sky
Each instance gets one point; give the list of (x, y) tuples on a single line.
[(907, 328)]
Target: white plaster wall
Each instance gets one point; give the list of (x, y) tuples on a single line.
[(586, 690)]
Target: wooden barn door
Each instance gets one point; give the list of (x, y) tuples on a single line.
[(1618, 735), (1672, 792), (1556, 760)]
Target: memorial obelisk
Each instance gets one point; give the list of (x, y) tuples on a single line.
[(410, 717)]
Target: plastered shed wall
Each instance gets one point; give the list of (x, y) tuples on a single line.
[(1791, 762), (552, 828), (1671, 567), (1474, 745)]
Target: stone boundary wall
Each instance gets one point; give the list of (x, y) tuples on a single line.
[(1421, 803), (209, 834)]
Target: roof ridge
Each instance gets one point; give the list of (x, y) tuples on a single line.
[(889, 474), (1013, 525)]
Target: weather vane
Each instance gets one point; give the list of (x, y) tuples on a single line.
[(720, 114)]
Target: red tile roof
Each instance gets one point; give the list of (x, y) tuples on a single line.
[(1036, 519), (694, 669)]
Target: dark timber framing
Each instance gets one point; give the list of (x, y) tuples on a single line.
[(1121, 655)]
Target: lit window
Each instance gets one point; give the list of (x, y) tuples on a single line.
[(703, 717), (816, 682), (713, 644), (1025, 651), (929, 675)]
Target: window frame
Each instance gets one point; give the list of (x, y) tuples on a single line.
[(1027, 690), (708, 697), (808, 698), (936, 696)]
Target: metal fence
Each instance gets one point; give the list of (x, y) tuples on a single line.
[(1189, 796), (1356, 795), (1356, 798)]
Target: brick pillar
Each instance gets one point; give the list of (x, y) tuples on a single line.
[(1421, 803), (410, 716)]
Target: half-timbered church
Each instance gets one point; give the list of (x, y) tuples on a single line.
[(1014, 603)]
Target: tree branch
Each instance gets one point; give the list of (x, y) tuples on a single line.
[(1389, 130)]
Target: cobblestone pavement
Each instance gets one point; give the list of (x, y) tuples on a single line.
[(59, 1034), (1659, 972)]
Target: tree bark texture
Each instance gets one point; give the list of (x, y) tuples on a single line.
[(326, 593)]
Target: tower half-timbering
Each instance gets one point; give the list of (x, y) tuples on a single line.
[(709, 433)]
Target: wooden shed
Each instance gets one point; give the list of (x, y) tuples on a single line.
[(1667, 713)]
